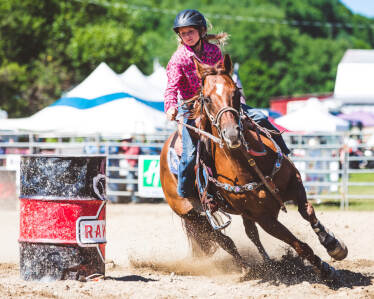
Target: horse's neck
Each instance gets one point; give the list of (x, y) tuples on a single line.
[(257, 141), (233, 164), (229, 164)]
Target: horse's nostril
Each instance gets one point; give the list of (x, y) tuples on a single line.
[(224, 131)]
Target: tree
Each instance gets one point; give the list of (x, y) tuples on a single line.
[(46, 47)]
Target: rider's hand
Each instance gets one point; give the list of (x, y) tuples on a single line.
[(171, 113)]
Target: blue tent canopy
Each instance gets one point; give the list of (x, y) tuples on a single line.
[(82, 103)]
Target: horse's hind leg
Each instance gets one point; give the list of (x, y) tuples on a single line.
[(334, 246), (252, 233), (278, 230)]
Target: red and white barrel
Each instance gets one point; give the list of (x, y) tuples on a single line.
[(62, 217)]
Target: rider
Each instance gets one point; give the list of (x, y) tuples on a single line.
[(183, 83)]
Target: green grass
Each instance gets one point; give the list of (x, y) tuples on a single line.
[(334, 205), (354, 204), (361, 177)]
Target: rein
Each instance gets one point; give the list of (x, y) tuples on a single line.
[(202, 132)]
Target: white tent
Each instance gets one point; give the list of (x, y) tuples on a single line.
[(313, 117), (102, 81), (3, 114), (370, 141), (136, 83), (118, 117), (98, 105), (159, 78), (354, 78)]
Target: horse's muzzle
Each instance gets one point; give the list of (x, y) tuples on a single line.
[(231, 136)]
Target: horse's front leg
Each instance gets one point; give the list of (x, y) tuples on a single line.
[(279, 231), (334, 246), (252, 233)]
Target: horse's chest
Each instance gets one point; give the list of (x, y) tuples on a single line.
[(260, 202)]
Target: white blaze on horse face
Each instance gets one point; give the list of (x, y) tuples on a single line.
[(219, 89)]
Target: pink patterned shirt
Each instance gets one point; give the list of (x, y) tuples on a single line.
[(183, 82)]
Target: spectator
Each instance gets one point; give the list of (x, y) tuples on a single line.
[(113, 174), (2, 152), (128, 165)]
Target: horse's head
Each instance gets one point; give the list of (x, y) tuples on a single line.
[(220, 100)]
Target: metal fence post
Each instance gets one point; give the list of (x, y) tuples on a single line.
[(345, 175), (31, 143)]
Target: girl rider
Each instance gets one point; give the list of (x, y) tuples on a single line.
[(183, 83)]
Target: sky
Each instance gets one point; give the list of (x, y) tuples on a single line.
[(362, 7)]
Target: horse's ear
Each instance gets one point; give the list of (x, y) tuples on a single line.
[(227, 63), (199, 67)]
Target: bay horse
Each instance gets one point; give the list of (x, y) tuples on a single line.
[(251, 175)]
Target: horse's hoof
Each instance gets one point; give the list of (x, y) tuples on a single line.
[(328, 272), (340, 251)]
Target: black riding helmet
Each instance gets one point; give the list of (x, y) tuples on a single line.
[(189, 17)]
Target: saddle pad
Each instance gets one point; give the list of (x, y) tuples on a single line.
[(173, 161), (174, 153)]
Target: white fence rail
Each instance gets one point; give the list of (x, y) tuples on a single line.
[(326, 162)]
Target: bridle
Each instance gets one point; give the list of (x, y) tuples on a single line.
[(216, 120), (239, 114)]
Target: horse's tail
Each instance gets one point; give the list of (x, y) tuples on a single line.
[(200, 234)]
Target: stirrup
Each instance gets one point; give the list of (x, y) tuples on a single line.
[(214, 223)]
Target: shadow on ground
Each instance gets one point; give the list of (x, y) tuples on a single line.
[(130, 278), (290, 270)]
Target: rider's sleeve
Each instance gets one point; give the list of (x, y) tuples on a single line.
[(174, 75)]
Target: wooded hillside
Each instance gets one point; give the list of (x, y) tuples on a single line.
[(284, 47)]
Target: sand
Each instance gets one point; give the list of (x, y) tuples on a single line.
[(149, 257)]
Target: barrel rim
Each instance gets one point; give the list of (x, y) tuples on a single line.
[(63, 156), (57, 198)]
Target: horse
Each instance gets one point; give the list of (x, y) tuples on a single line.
[(251, 176)]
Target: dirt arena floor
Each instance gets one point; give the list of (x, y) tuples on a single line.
[(150, 258)]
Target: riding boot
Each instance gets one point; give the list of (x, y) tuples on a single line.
[(280, 141)]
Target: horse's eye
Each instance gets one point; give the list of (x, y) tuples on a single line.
[(207, 100)]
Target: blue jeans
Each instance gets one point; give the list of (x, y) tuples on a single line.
[(186, 174)]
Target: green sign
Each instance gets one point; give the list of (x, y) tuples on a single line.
[(151, 173), (149, 183)]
